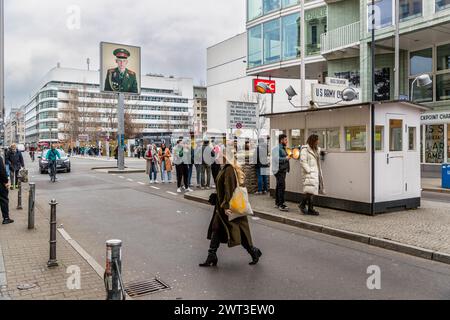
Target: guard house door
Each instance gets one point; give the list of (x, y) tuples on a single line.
[(393, 172)]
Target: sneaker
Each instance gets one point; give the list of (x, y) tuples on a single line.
[(179, 190), (283, 208), (157, 182), (189, 190), (7, 221), (151, 182)]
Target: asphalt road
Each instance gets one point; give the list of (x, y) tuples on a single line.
[(165, 236)]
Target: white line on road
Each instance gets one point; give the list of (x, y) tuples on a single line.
[(172, 193), (130, 180), (156, 188), (141, 183), (121, 177)]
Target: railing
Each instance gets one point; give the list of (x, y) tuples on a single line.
[(339, 38)]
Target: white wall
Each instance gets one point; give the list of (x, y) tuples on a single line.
[(227, 81)]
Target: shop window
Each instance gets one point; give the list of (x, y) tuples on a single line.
[(297, 138), (254, 9), (395, 135), (421, 62), (443, 57), (434, 144), (271, 5), (333, 139), (255, 46), (356, 139), (379, 138), (442, 5), (383, 9), (291, 36), (412, 138), (321, 133), (443, 87), (272, 41), (410, 9)]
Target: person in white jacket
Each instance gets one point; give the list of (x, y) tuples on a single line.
[(311, 174)]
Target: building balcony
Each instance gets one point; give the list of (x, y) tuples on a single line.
[(341, 38)]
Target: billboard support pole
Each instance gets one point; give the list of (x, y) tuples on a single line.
[(121, 132)]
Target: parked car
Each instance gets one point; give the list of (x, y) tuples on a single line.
[(62, 164)]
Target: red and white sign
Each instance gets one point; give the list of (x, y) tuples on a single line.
[(264, 86)]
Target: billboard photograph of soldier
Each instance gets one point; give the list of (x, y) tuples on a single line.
[(121, 66)]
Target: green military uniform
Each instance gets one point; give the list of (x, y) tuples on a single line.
[(121, 82)]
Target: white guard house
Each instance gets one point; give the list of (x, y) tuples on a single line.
[(345, 134)]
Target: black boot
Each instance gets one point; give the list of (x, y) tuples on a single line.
[(302, 206), (212, 259), (311, 210), (256, 254)]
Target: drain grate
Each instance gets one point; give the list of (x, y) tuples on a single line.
[(143, 288)]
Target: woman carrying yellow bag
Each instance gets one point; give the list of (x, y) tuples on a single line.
[(230, 227)]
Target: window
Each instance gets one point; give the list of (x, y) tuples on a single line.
[(333, 139), (412, 139), (271, 5), (379, 138), (254, 9), (383, 84), (410, 9), (442, 4), (316, 24), (443, 87), (321, 133), (272, 41), (443, 57), (434, 144), (254, 47), (424, 94), (291, 36), (383, 8), (288, 3), (421, 62), (356, 139), (395, 135), (297, 138)]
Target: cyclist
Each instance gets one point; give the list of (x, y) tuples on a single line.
[(52, 156)]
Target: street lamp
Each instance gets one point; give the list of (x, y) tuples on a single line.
[(422, 81)]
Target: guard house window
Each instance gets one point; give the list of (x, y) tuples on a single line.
[(379, 138), (356, 138), (291, 36), (442, 4), (410, 9), (321, 133), (395, 135), (272, 41), (255, 46), (383, 9), (412, 138), (333, 139), (297, 138), (271, 5), (254, 9)]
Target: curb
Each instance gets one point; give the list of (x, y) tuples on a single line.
[(348, 235), (436, 190)]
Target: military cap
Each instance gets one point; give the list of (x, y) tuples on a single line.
[(121, 53)]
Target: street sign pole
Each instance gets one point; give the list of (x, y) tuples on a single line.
[(121, 132)]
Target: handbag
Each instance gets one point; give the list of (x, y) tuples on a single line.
[(239, 203)]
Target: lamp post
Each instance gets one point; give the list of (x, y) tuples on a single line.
[(302, 55), (422, 81)]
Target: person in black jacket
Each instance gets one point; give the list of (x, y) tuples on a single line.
[(280, 159), (4, 200), (15, 161)]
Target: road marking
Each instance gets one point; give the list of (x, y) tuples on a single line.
[(141, 183), (156, 188), (130, 180), (121, 177), (172, 193)]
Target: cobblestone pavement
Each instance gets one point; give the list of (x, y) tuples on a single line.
[(427, 227), (25, 256)]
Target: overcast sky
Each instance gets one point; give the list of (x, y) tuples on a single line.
[(173, 34)]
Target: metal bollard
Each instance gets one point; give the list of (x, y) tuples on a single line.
[(113, 270), (19, 197), (31, 203), (52, 262)]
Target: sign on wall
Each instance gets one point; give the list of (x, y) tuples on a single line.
[(120, 68), (337, 82), (327, 94), (270, 84), (242, 115)]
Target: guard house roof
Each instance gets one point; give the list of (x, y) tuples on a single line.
[(364, 104)]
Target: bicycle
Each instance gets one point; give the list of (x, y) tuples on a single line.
[(52, 171)]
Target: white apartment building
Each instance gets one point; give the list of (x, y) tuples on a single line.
[(15, 127), (164, 108)]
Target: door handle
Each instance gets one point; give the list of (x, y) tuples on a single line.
[(388, 159)]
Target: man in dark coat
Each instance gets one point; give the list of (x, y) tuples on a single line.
[(4, 200), (15, 161)]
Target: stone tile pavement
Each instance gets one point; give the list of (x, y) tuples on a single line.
[(25, 254), (427, 227)]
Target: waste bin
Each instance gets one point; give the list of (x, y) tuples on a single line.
[(446, 176)]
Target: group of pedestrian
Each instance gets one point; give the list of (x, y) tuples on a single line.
[(159, 161)]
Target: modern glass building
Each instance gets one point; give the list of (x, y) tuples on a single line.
[(338, 44)]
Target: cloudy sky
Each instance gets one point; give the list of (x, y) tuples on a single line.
[(173, 34)]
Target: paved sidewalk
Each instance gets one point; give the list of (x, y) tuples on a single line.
[(25, 256), (427, 228)]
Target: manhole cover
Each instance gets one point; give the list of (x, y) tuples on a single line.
[(142, 288)]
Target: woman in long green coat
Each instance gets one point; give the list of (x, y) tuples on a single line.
[(221, 230)]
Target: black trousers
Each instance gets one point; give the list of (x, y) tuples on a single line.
[(215, 168), (182, 175), (14, 177), (4, 202), (281, 188)]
